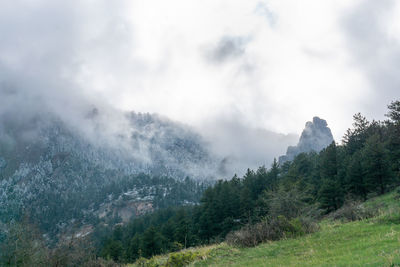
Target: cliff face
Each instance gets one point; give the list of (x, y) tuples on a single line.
[(315, 137)]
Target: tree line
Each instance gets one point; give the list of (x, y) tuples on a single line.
[(364, 165)]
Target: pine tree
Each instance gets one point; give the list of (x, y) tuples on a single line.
[(329, 198), (151, 242), (246, 203), (181, 233), (273, 175), (133, 251), (394, 112), (355, 179), (376, 165), (330, 193), (328, 162), (393, 143), (354, 139)]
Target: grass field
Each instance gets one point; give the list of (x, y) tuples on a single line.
[(370, 242), (350, 244)]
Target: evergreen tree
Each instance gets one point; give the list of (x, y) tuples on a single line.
[(393, 143), (151, 242), (133, 250), (394, 112), (354, 139), (246, 203), (273, 175), (356, 184), (330, 193), (113, 249), (376, 165), (181, 231), (329, 197), (328, 162)]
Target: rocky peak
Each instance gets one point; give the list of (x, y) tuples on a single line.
[(315, 137)]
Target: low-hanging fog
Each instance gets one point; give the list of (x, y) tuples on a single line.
[(245, 75)]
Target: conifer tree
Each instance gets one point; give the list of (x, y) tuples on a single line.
[(151, 242), (375, 165), (330, 193), (273, 175), (355, 181)]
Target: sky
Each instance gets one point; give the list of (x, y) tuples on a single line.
[(229, 68)]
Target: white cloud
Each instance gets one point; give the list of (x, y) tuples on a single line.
[(290, 60), (295, 63)]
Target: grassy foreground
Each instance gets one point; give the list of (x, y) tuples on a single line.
[(351, 244), (371, 242)]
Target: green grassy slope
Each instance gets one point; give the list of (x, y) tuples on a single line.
[(371, 242), (351, 244)]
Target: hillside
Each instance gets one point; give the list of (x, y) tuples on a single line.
[(286, 200), (111, 164), (290, 208), (370, 242)]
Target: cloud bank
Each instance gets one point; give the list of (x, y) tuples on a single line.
[(229, 68)]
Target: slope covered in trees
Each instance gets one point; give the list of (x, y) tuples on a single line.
[(62, 175), (365, 165)]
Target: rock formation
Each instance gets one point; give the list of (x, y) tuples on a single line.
[(315, 137)]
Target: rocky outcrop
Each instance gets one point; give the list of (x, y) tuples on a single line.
[(315, 137)]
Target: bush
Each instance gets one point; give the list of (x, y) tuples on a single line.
[(287, 203), (101, 263), (177, 259), (391, 216), (176, 246), (180, 259), (143, 262), (271, 229), (352, 211), (291, 203), (24, 246), (397, 193)]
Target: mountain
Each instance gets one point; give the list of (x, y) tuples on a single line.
[(99, 166), (315, 137)]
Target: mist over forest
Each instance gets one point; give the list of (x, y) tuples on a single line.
[(130, 129)]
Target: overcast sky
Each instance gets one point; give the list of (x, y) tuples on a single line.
[(269, 64)]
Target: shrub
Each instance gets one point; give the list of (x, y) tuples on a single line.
[(397, 193), (291, 203), (180, 259), (176, 246), (101, 263), (271, 229), (177, 259), (391, 216), (352, 211), (287, 203), (143, 262)]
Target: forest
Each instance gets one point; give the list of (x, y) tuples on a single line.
[(364, 165), (292, 195)]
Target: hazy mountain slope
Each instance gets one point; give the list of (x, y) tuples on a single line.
[(56, 172)]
